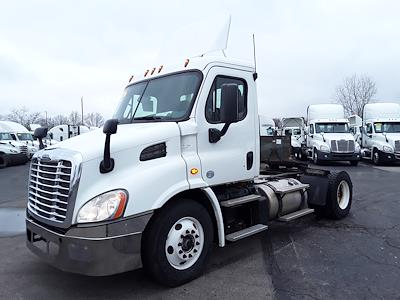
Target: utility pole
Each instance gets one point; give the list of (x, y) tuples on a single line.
[(46, 119), (82, 108)]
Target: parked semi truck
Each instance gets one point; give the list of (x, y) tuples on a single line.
[(295, 128), (380, 138), (177, 169), (20, 134), (267, 126), (10, 155), (328, 135)]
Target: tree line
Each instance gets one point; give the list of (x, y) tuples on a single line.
[(25, 117)]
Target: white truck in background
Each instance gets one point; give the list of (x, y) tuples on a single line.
[(21, 135), (177, 169), (355, 124), (267, 126), (380, 138), (295, 128), (10, 154), (328, 135), (63, 132)]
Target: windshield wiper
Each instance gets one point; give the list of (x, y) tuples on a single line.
[(148, 118)]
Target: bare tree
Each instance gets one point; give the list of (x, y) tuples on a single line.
[(354, 93), (74, 118), (24, 117), (94, 119), (278, 122)]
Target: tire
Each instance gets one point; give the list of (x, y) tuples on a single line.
[(3, 161), (339, 197), (316, 161), (376, 158), (354, 163), (187, 226)]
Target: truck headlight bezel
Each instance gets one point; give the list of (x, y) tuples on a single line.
[(387, 149), (324, 148), (106, 206)]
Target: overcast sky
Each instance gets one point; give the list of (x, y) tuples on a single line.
[(53, 52)]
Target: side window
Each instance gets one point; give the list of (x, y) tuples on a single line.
[(369, 128), (311, 129), (213, 104), (13, 136)]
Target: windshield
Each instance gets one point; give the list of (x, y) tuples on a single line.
[(167, 98), (293, 131), (332, 127), (389, 127), (25, 136), (4, 136)]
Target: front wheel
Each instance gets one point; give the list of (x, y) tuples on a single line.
[(339, 196), (315, 157), (177, 242), (3, 161), (376, 157), (354, 163)]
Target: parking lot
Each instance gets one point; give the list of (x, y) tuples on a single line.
[(309, 258)]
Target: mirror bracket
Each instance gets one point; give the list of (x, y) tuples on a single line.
[(214, 134), (109, 128)]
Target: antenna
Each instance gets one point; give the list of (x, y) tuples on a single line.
[(254, 57)]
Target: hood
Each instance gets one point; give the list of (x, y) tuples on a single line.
[(338, 136), (392, 137), (91, 144)]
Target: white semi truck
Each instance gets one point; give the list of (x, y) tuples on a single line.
[(267, 126), (328, 135), (177, 169), (11, 155), (295, 128), (63, 132), (380, 138), (20, 134)]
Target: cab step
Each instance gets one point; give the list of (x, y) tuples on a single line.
[(297, 214), (241, 200), (241, 234)]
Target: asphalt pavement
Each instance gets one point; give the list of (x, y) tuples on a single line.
[(309, 258)]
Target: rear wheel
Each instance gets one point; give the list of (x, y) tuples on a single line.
[(177, 242), (339, 197)]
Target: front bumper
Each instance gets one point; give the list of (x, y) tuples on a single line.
[(386, 157), (16, 159), (95, 250), (335, 156)]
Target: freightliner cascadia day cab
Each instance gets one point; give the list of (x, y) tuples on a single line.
[(267, 126), (381, 132), (21, 135), (328, 135), (295, 128), (179, 170)]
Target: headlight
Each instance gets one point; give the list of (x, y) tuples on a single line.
[(324, 148), (387, 149), (107, 206), (13, 151)]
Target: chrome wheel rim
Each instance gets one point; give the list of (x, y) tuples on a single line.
[(343, 194), (184, 243)]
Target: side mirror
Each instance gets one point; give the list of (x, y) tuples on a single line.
[(229, 111), (40, 133), (229, 103), (109, 128)]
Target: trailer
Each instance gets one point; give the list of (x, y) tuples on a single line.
[(181, 167)]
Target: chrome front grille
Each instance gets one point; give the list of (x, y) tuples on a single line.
[(342, 146), (397, 146), (23, 149), (49, 188)]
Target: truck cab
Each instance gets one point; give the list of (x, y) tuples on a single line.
[(380, 138), (328, 135), (20, 135), (267, 126), (176, 169), (294, 127)]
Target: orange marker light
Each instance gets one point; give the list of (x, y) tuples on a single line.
[(160, 68), (186, 63), (147, 72), (152, 71), (130, 79), (194, 171)]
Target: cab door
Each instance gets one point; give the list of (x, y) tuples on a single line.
[(235, 156)]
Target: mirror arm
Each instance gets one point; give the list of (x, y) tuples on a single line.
[(214, 134), (107, 164)]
